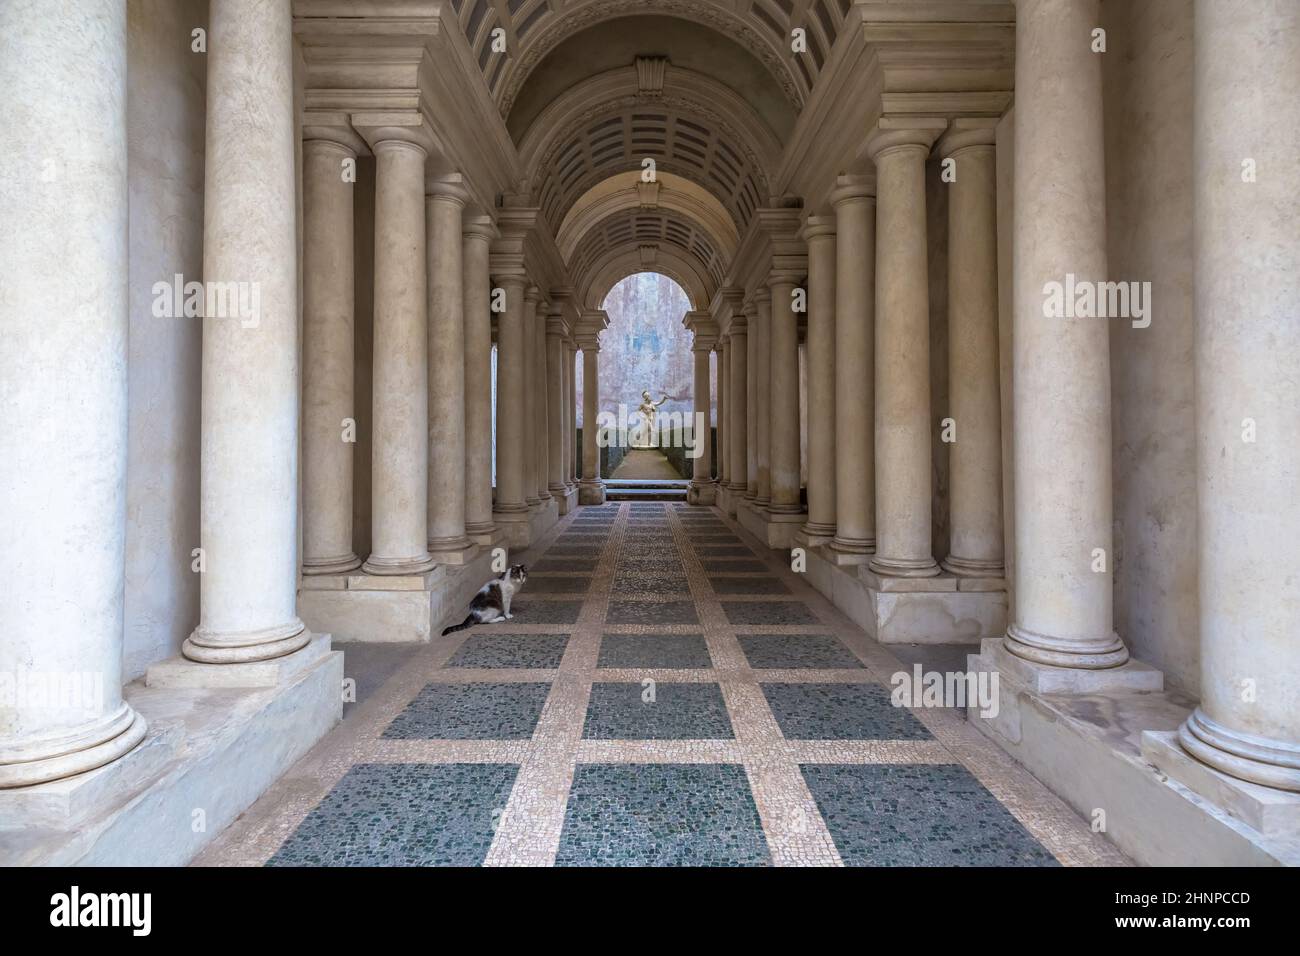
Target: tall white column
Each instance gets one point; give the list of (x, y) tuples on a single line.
[(738, 406), (903, 517), (400, 450), (570, 414), (477, 236), (1061, 367), (63, 383), (723, 353), (249, 462), (762, 334), (819, 234), (540, 405), (783, 408), (751, 402), (533, 475), (1248, 391), (975, 457), (855, 369), (591, 490), (327, 349), (446, 348), (555, 333), (702, 479), (512, 366)]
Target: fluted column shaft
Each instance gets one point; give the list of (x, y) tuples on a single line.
[(855, 369), (400, 453), (327, 349), (1061, 367), (903, 480), (446, 441), (475, 259), (1247, 252), (512, 366), (819, 234), (555, 406), (762, 334), (703, 473), (783, 434), (63, 379), (249, 462), (975, 457)]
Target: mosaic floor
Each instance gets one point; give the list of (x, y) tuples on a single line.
[(667, 693)]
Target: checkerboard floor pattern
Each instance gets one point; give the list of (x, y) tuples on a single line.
[(668, 693)]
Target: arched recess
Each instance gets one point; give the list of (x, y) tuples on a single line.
[(694, 126), (626, 194), (766, 42), (617, 264)]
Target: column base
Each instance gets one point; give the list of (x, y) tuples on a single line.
[(846, 551), (219, 752), (973, 567), (455, 551), (1255, 760), (43, 761), (701, 492), (815, 534), (904, 567), (391, 610), (1090, 750), (775, 529), (591, 492), (207, 647), (338, 565), (1045, 650), (933, 610), (566, 497), (398, 566), (484, 533), (1130, 676)]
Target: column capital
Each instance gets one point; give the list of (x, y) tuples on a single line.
[(852, 189), (449, 188), (324, 128), (966, 132), (760, 295), (533, 294), (893, 133), (788, 277), (478, 227), (818, 227)]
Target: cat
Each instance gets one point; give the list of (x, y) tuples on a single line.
[(492, 603)]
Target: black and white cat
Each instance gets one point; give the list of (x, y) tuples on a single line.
[(492, 603)]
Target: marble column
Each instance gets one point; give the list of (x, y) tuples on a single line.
[(570, 415), (534, 398), (555, 349), (1247, 254), (477, 237), (512, 454), (855, 369), (761, 332), (445, 489), (751, 396), (738, 406), (63, 377), (702, 478), (819, 234), (249, 462), (541, 407), (975, 457), (903, 517), (723, 352), (327, 351), (1061, 367), (783, 410), (400, 453), (591, 489)]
